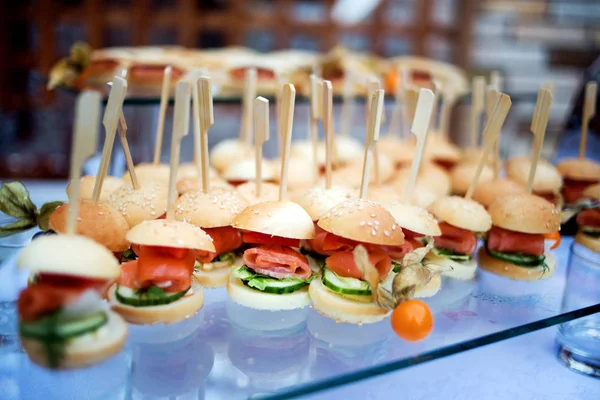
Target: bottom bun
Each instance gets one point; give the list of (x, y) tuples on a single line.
[(85, 350), (460, 270), (342, 309), (179, 310), (513, 271), (216, 278), (258, 300), (430, 289), (588, 241)]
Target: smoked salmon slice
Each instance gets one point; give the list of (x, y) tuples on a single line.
[(225, 239), (277, 262), (573, 190), (261, 238), (590, 217), (505, 241), (41, 299), (396, 252), (458, 240), (343, 264)]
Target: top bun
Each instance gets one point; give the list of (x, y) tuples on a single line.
[(245, 170), (346, 149), (431, 178), (400, 152), (462, 213), (318, 200), (146, 203), (414, 218), (269, 192), (170, 233), (70, 255), (487, 192), (99, 222), (547, 179), (299, 172), (579, 169), (209, 210), (462, 175), (350, 175), (473, 155), (276, 218), (190, 170), (227, 151), (442, 150), (86, 187), (363, 221), (384, 194), (525, 213), (150, 173), (195, 185), (592, 192)]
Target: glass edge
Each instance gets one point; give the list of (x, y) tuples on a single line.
[(586, 254)]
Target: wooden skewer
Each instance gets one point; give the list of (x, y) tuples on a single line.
[(548, 85), (496, 80), (411, 94), (490, 133), (207, 120), (589, 110), (287, 120), (193, 79), (372, 86), (491, 96), (85, 132), (476, 108), (372, 135), (420, 127), (261, 135), (110, 121), (328, 127), (316, 88), (122, 128), (347, 104), (247, 102), (437, 91), (538, 128), (162, 111)]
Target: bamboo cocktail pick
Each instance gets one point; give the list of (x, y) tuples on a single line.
[(193, 77), (162, 111), (247, 102), (287, 119), (589, 110), (371, 137), (372, 86), (448, 99), (490, 134), (207, 120), (87, 114), (411, 94), (328, 127), (477, 89), (491, 96), (316, 98), (261, 135), (496, 80), (420, 127), (538, 128), (110, 122)]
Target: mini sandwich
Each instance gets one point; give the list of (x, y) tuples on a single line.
[(341, 293), (242, 171), (63, 322), (350, 174), (86, 187), (228, 150), (269, 192), (146, 203), (275, 275), (547, 181), (514, 247), (577, 174), (158, 287), (401, 152), (462, 175), (149, 173), (486, 193), (214, 212), (589, 221), (443, 153), (460, 221)]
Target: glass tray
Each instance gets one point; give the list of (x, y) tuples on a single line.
[(232, 352)]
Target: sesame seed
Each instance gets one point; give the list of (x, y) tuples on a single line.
[(386, 233), (362, 223), (369, 223), (394, 227), (373, 215), (373, 233)]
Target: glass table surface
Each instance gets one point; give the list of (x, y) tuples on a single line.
[(228, 351)]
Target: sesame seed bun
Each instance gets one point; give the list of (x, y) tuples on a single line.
[(70, 255), (210, 210), (464, 270), (414, 218), (147, 203), (245, 170), (383, 194), (462, 175), (473, 156), (86, 187), (588, 241), (513, 271), (431, 178), (442, 150), (170, 233), (150, 173), (227, 151), (277, 218), (401, 152), (318, 200), (351, 174), (299, 172), (487, 192), (99, 222), (579, 169), (462, 213), (525, 213), (242, 294), (195, 185), (190, 170), (363, 221), (592, 192), (302, 150), (346, 149), (547, 179), (269, 192), (219, 272)]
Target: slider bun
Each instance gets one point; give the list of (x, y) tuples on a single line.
[(318, 200), (473, 156), (431, 179), (462, 175), (383, 194), (300, 173), (209, 210), (195, 185), (179, 310), (401, 152), (216, 278), (363, 221), (242, 294), (228, 151), (487, 192), (414, 218), (86, 187), (513, 271), (590, 242), (525, 213), (276, 218), (147, 203), (170, 233), (460, 270), (245, 170), (190, 170), (269, 192), (350, 175), (346, 149), (592, 192), (150, 173), (430, 289), (579, 169), (99, 222), (547, 179), (462, 213), (69, 255), (342, 309), (442, 150), (85, 350)]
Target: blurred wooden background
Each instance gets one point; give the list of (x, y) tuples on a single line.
[(530, 41)]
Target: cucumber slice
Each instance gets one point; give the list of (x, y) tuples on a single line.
[(450, 254), (53, 327), (396, 267), (343, 285), (269, 284), (153, 296), (523, 260), (591, 231)]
